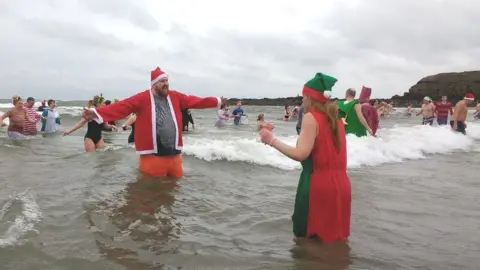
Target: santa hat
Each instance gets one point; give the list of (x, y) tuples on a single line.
[(156, 75), (320, 87), (365, 94), (469, 96)]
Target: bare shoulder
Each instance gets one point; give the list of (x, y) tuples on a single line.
[(308, 118)]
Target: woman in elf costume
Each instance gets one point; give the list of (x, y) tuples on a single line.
[(323, 200), (350, 111)]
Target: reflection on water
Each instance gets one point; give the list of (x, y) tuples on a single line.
[(143, 225)]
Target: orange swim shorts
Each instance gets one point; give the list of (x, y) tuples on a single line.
[(161, 165)]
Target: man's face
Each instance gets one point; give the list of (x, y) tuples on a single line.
[(161, 87), (52, 105), (30, 103), (444, 98)]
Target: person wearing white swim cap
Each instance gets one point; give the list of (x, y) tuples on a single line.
[(428, 111)]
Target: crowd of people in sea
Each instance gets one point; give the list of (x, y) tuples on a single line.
[(158, 116)]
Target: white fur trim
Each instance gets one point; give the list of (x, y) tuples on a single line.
[(469, 98), (99, 118), (164, 75), (327, 94), (177, 134), (154, 127), (146, 152), (219, 102)]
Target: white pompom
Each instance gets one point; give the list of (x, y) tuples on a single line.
[(327, 94)]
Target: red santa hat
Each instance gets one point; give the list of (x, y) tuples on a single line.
[(469, 96), (156, 75), (365, 94)]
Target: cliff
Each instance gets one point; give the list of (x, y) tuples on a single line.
[(452, 85)]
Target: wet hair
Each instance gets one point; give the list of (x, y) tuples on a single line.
[(330, 109), (260, 116), (50, 101), (16, 99), (351, 92), (108, 102)]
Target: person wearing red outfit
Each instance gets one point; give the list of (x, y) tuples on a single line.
[(323, 199), (442, 110), (158, 127)]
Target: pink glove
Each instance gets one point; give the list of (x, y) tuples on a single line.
[(266, 136)]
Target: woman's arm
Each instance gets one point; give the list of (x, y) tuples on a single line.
[(110, 127), (130, 121), (78, 125), (306, 140)]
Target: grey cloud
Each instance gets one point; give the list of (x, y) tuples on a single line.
[(127, 9)]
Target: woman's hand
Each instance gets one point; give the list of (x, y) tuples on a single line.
[(67, 132), (266, 136)]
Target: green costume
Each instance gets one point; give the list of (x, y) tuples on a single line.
[(346, 110)]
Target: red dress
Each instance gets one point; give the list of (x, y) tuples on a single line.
[(330, 193)]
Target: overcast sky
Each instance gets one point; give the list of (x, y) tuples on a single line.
[(77, 48)]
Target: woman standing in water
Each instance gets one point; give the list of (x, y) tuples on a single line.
[(17, 116), (323, 200), (130, 124), (93, 139)]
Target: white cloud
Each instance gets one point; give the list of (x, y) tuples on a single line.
[(75, 49)]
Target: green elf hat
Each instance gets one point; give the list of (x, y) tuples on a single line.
[(320, 87)]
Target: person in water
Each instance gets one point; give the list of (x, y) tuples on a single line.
[(476, 114), (287, 112), (301, 112), (93, 138), (158, 127), (428, 111), (261, 123), (237, 113), (460, 114), (368, 111), (17, 116), (51, 118), (222, 116), (186, 119), (350, 111), (410, 110), (323, 200), (442, 110), (29, 128), (42, 107), (130, 125), (112, 124)]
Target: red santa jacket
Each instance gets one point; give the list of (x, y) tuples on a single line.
[(143, 105)]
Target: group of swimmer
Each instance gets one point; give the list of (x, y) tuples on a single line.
[(444, 108), (157, 119)]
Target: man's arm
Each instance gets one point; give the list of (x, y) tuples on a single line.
[(451, 109), (118, 110), (194, 102)]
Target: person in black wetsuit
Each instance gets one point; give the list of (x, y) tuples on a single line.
[(130, 124), (187, 118), (93, 139)]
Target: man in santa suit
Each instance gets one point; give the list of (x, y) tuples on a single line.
[(158, 128)]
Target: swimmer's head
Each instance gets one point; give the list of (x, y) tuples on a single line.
[(17, 101), (222, 107), (51, 103), (444, 98), (30, 102), (260, 117), (159, 82), (350, 93), (427, 100), (469, 97)]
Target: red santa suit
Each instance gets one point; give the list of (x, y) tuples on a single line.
[(143, 105)]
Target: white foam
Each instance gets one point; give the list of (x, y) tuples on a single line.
[(392, 145), (24, 222)]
